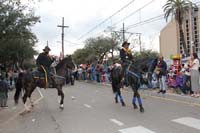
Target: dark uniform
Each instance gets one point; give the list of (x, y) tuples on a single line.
[(126, 58), (45, 61)]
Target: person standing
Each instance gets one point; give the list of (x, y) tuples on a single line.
[(195, 74), (4, 87), (162, 72)]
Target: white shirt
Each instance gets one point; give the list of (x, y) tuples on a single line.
[(195, 64)]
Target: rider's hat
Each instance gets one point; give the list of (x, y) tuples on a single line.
[(124, 43), (46, 48)]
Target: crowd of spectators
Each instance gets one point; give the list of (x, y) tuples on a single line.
[(99, 72)]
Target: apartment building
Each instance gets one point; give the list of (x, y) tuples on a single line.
[(170, 39)]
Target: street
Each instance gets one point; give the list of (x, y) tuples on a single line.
[(90, 108)]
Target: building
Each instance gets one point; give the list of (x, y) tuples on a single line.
[(170, 39)]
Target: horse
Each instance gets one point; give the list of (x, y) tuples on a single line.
[(30, 80), (116, 77), (135, 80)]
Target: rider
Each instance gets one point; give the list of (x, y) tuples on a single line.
[(126, 58), (44, 62)]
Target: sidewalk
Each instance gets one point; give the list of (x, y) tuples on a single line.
[(169, 96)]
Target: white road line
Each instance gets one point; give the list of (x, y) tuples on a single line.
[(188, 121), (88, 106), (119, 123), (41, 95), (138, 129)]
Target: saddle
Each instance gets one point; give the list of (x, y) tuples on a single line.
[(42, 74)]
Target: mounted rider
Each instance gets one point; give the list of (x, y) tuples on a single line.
[(126, 57), (44, 62)]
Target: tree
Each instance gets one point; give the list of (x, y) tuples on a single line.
[(101, 46), (95, 49), (178, 9), (16, 38)]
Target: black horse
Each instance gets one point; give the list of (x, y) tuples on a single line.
[(135, 80), (30, 80), (116, 77)]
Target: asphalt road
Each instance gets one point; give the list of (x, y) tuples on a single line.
[(90, 108)]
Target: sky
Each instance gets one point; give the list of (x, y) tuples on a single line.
[(83, 15)]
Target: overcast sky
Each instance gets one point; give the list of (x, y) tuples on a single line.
[(83, 15)]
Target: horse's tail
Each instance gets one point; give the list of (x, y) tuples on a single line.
[(116, 76)]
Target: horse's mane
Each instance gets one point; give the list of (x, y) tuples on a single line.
[(61, 63)]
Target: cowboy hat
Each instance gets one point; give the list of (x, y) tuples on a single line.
[(124, 43), (46, 48)]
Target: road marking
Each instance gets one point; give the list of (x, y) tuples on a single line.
[(189, 121), (138, 129), (41, 95), (88, 106), (119, 123)]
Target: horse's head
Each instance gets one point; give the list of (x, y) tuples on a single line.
[(62, 66), (67, 62), (139, 71)]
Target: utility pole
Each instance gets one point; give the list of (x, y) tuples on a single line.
[(191, 29), (62, 35), (140, 43), (123, 32)]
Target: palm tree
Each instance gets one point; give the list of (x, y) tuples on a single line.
[(178, 10)]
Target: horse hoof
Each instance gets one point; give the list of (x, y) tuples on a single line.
[(116, 101), (61, 106), (142, 110), (123, 104), (135, 106)]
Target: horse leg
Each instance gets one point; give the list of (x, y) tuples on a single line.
[(17, 93), (116, 97), (139, 101), (134, 101), (25, 101), (121, 98), (61, 94), (30, 99), (28, 92)]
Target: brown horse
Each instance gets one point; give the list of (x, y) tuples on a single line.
[(29, 81)]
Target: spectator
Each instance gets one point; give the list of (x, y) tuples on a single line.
[(3, 92), (195, 74), (162, 71), (186, 80)]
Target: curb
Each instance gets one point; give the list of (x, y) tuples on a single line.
[(172, 97)]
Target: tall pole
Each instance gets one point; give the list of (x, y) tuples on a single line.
[(191, 29), (62, 35), (140, 43), (123, 33)]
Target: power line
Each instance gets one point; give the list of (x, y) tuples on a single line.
[(134, 12), (105, 20), (153, 19)]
